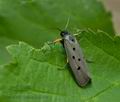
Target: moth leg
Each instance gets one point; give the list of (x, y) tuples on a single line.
[(78, 32), (89, 61), (67, 60), (66, 63), (64, 66), (57, 41)]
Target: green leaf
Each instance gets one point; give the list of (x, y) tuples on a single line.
[(40, 74), (4, 55), (36, 21)]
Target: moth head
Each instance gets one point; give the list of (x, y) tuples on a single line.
[(64, 33)]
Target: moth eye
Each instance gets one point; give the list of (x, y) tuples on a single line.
[(73, 57), (74, 49), (79, 59), (78, 68)]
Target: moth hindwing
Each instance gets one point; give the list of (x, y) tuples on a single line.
[(75, 58)]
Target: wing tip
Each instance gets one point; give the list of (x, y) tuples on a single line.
[(85, 83)]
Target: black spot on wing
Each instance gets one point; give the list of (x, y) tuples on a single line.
[(73, 57), (73, 49), (71, 39), (78, 68), (79, 59)]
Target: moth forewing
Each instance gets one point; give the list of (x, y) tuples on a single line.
[(76, 60)]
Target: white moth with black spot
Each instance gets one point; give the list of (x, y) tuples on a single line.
[(75, 58)]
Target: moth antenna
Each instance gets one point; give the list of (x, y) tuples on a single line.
[(68, 20), (59, 29)]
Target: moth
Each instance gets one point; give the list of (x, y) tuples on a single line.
[(75, 58)]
